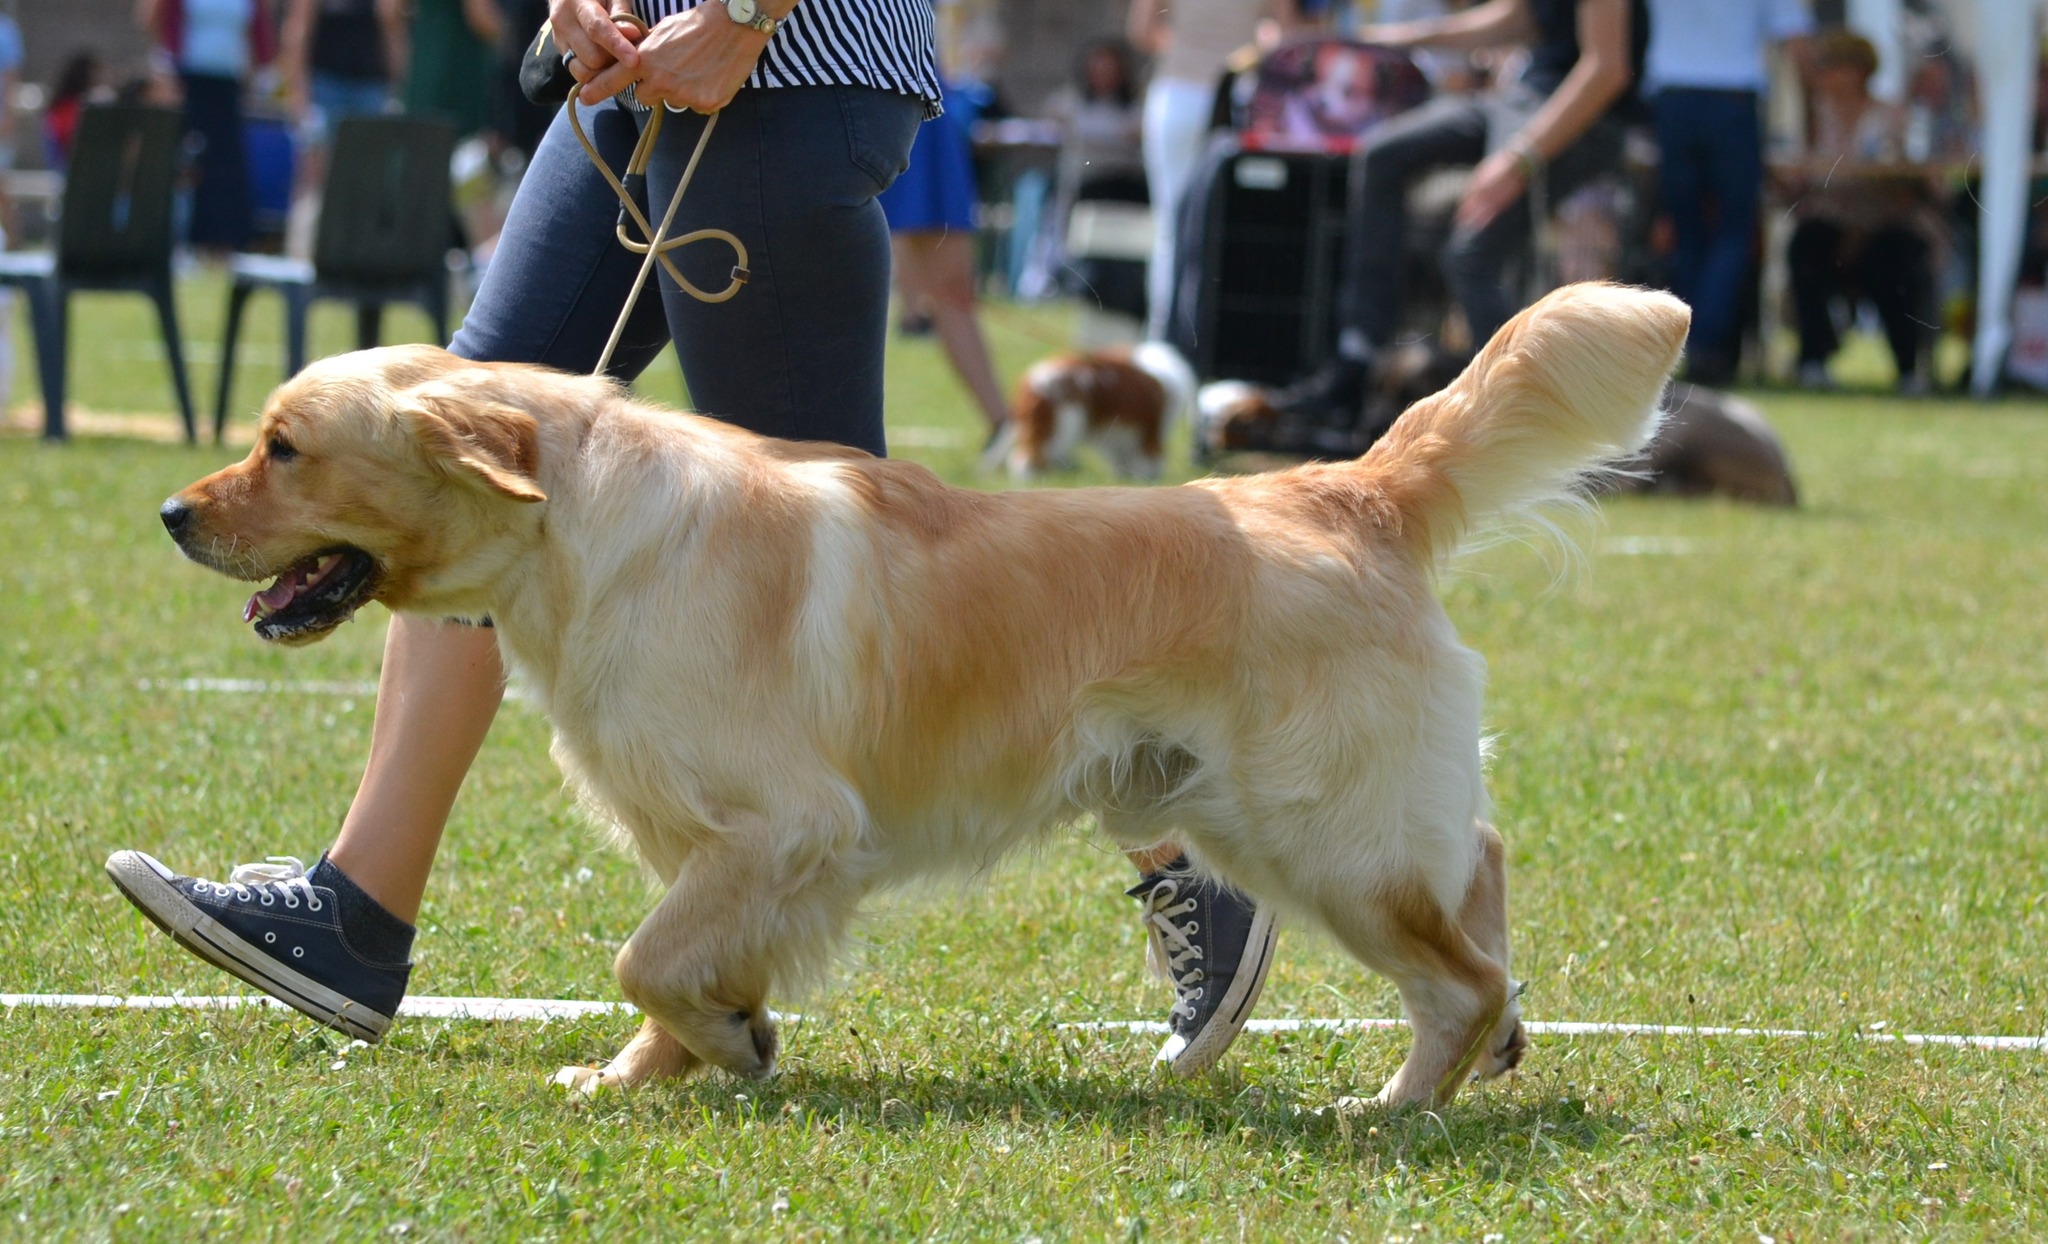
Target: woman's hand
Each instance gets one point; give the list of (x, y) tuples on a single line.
[(1495, 185), (698, 59), (585, 28)]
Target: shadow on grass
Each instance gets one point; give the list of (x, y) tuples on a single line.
[(1486, 1129)]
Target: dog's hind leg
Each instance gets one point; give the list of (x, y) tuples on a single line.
[(1484, 918), (1453, 992), (740, 918)]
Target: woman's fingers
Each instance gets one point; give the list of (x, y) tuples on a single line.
[(585, 32)]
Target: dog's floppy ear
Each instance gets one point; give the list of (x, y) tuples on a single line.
[(489, 443)]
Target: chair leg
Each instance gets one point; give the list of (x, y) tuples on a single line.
[(167, 313), (437, 310), (298, 300), (53, 314), (369, 324), (238, 299)]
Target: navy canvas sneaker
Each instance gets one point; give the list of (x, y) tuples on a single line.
[(1216, 946), (272, 926)]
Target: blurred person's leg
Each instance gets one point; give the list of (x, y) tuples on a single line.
[(1683, 176), (1895, 271), (936, 271), (1175, 131), (1813, 260), (1733, 142), (1439, 134), (1682, 179), (223, 210)]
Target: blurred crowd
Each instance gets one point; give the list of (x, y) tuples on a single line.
[(263, 84), (1689, 126), (1638, 139)]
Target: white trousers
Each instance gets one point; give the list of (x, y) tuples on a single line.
[(1176, 129)]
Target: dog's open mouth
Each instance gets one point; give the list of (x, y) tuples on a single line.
[(313, 597)]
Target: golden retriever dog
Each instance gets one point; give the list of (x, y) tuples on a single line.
[(794, 674)]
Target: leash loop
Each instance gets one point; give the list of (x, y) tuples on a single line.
[(657, 244)]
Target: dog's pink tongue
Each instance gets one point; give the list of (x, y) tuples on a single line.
[(273, 598)]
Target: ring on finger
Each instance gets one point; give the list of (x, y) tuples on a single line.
[(568, 57)]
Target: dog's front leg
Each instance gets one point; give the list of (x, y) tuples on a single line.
[(744, 914), (651, 1055)]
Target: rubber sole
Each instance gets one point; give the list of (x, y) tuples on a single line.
[(1192, 1058), (137, 877)]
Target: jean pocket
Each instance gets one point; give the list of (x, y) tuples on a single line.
[(880, 126)]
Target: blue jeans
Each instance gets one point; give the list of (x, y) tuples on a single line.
[(335, 97), (794, 171), (1710, 177)]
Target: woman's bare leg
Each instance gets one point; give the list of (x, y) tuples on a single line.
[(436, 696), (936, 268)]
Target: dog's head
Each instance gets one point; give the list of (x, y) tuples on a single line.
[(401, 475)]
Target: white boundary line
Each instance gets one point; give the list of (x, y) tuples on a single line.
[(259, 686), (281, 686), (516, 1009), (1575, 1028), (411, 1008)]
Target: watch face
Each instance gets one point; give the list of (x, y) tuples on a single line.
[(742, 11)]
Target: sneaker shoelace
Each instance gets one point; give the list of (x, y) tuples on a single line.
[(1174, 941), (278, 877)]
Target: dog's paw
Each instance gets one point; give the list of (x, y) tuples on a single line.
[(581, 1081), (1506, 1057)]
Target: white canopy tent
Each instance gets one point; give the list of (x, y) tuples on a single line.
[(2002, 38)]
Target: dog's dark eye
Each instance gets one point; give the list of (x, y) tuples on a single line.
[(281, 450)]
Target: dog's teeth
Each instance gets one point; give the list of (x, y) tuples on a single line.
[(250, 610)]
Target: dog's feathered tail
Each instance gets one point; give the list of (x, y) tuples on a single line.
[(1566, 389)]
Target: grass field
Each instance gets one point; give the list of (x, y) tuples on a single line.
[(1754, 768)]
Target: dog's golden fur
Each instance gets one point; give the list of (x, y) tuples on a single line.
[(793, 674)]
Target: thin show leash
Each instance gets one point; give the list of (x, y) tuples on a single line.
[(658, 242)]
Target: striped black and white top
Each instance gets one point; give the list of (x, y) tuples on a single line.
[(887, 44)]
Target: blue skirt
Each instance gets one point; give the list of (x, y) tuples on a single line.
[(937, 191)]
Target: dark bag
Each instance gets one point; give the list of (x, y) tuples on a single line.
[(544, 78)]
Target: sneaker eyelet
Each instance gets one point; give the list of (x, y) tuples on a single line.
[(298, 952), (267, 899), (314, 905), (269, 937)]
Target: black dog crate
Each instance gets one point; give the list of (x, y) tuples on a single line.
[(1272, 248)]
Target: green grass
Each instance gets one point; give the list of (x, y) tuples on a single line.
[(1779, 769)]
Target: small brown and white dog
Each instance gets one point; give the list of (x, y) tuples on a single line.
[(1121, 401), (792, 675)]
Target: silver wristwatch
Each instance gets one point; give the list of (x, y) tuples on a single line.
[(748, 13)]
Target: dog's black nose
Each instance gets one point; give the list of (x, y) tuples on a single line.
[(176, 514)]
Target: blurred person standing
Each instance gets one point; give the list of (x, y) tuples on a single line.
[(1101, 127), (930, 209), (1553, 129), (1705, 72), (340, 58), (1868, 218), (10, 77), (214, 45), (1189, 40), (453, 66), (75, 87)]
